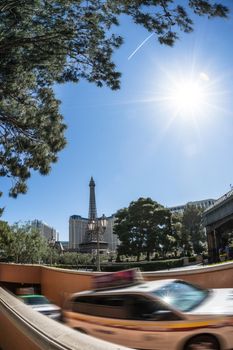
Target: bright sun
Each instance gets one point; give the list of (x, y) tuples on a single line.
[(187, 97)]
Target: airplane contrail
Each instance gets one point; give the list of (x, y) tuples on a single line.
[(144, 41)]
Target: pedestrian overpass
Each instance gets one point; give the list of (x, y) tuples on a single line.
[(218, 221)]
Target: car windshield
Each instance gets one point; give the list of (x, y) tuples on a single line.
[(182, 295), (36, 300)]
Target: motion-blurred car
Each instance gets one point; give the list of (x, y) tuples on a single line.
[(41, 304), (160, 315)]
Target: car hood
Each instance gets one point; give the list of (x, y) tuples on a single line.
[(219, 301), (43, 307)]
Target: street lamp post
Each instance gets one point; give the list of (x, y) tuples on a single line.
[(98, 227), (98, 249)]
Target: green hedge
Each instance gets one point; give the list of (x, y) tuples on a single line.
[(192, 259), (143, 265)]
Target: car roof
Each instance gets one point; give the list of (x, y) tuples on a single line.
[(146, 286)]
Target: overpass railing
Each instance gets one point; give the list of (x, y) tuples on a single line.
[(219, 201)]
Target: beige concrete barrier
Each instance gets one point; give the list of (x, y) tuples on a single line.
[(214, 276), (57, 284), (22, 328)]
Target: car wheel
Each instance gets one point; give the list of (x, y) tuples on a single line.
[(202, 342)]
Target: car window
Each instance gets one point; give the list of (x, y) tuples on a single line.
[(101, 306), (123, 306), (142, 308), (182, 295), (35, 300)]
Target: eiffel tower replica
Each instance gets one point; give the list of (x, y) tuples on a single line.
[(94, 231)]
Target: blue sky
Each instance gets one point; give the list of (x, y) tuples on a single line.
[(134, 142)]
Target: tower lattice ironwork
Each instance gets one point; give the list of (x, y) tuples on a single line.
[(92, 203), (93, 234)]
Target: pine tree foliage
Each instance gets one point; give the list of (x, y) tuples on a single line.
[(45, 42)]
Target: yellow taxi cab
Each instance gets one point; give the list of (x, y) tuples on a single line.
[(167, 314)]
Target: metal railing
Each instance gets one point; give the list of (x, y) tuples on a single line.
[(219, 201)]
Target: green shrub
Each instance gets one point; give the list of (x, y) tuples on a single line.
[(144, 266), (192, 259)]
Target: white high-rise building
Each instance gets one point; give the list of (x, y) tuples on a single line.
[(77, 230), (109, 236), (46, 231), (202, 204)]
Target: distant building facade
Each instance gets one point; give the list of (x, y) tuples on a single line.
[(46, 231), (78, 227), (109, 236), (202, 204)]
